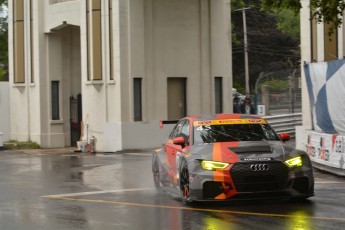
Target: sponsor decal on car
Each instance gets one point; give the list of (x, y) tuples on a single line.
[(257, 159), (229, 121)]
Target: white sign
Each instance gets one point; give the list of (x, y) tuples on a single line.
[(261, 110)]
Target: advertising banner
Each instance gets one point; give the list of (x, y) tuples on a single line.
[(326, 149)]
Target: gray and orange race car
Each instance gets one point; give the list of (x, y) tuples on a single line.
[(230, 156)]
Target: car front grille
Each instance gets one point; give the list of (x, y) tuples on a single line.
[(259, 176)]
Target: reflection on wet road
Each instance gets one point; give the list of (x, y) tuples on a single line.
[(116, 191)]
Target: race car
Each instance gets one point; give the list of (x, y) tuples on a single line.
[(225, 157)]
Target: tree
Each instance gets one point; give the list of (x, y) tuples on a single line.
[(288, 23), (3, 41), (271, 46), (327, 11)]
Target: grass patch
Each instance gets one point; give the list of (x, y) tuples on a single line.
[(13, 145)]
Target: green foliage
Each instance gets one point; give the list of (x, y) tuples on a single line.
[(234, 39), (13, 145), (3, 74), (328, 11), (277, 85), (3, 42), (239, 87), (288, 22), (237, 4), (294, 5)]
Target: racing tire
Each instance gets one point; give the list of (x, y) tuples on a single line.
[(156, 173), (184, 183)]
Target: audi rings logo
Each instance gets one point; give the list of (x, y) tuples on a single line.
[(259, 167)]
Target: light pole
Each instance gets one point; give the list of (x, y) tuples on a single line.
[(246, 65)]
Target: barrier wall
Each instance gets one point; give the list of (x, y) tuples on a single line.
[(327, 151), (4, 111)]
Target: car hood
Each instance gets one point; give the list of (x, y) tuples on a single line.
[(232, 152)]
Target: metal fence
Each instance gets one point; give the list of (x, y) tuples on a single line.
[(287, 100), (285, 123), (280, 102)]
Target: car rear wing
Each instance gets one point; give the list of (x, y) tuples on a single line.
[(166, 122)]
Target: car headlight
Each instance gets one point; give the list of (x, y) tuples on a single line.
[(213, 165), (297, 161)]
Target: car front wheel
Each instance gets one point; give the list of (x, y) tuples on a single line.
[(184, 182)]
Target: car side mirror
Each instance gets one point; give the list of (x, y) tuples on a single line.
[(179, 141), (284, 137)]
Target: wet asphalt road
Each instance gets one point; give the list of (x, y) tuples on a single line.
[(60, 189)]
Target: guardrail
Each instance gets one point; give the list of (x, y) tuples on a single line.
[(285, 123)]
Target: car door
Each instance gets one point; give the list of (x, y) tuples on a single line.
[(174, 150)]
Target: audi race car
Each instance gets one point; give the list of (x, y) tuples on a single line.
[(230, 156)]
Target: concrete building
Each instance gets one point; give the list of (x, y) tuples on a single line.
[(119, 66)]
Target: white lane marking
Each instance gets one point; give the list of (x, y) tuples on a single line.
[(99, 192), (329, 182), (139, 154)]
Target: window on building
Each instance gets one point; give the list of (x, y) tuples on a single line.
[(313, 23), (18, 44), (331, 43), (31, 44), (111, 75), (137, 96), (218, 92), (55, 100), (88, 61), (94, 39)]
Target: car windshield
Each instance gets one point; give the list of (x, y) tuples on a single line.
[(233, 132)]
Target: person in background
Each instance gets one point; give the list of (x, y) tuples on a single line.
[(247, 107), (236, 104)]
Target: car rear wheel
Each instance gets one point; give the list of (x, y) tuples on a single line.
[(156, 173), (184, 183)]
